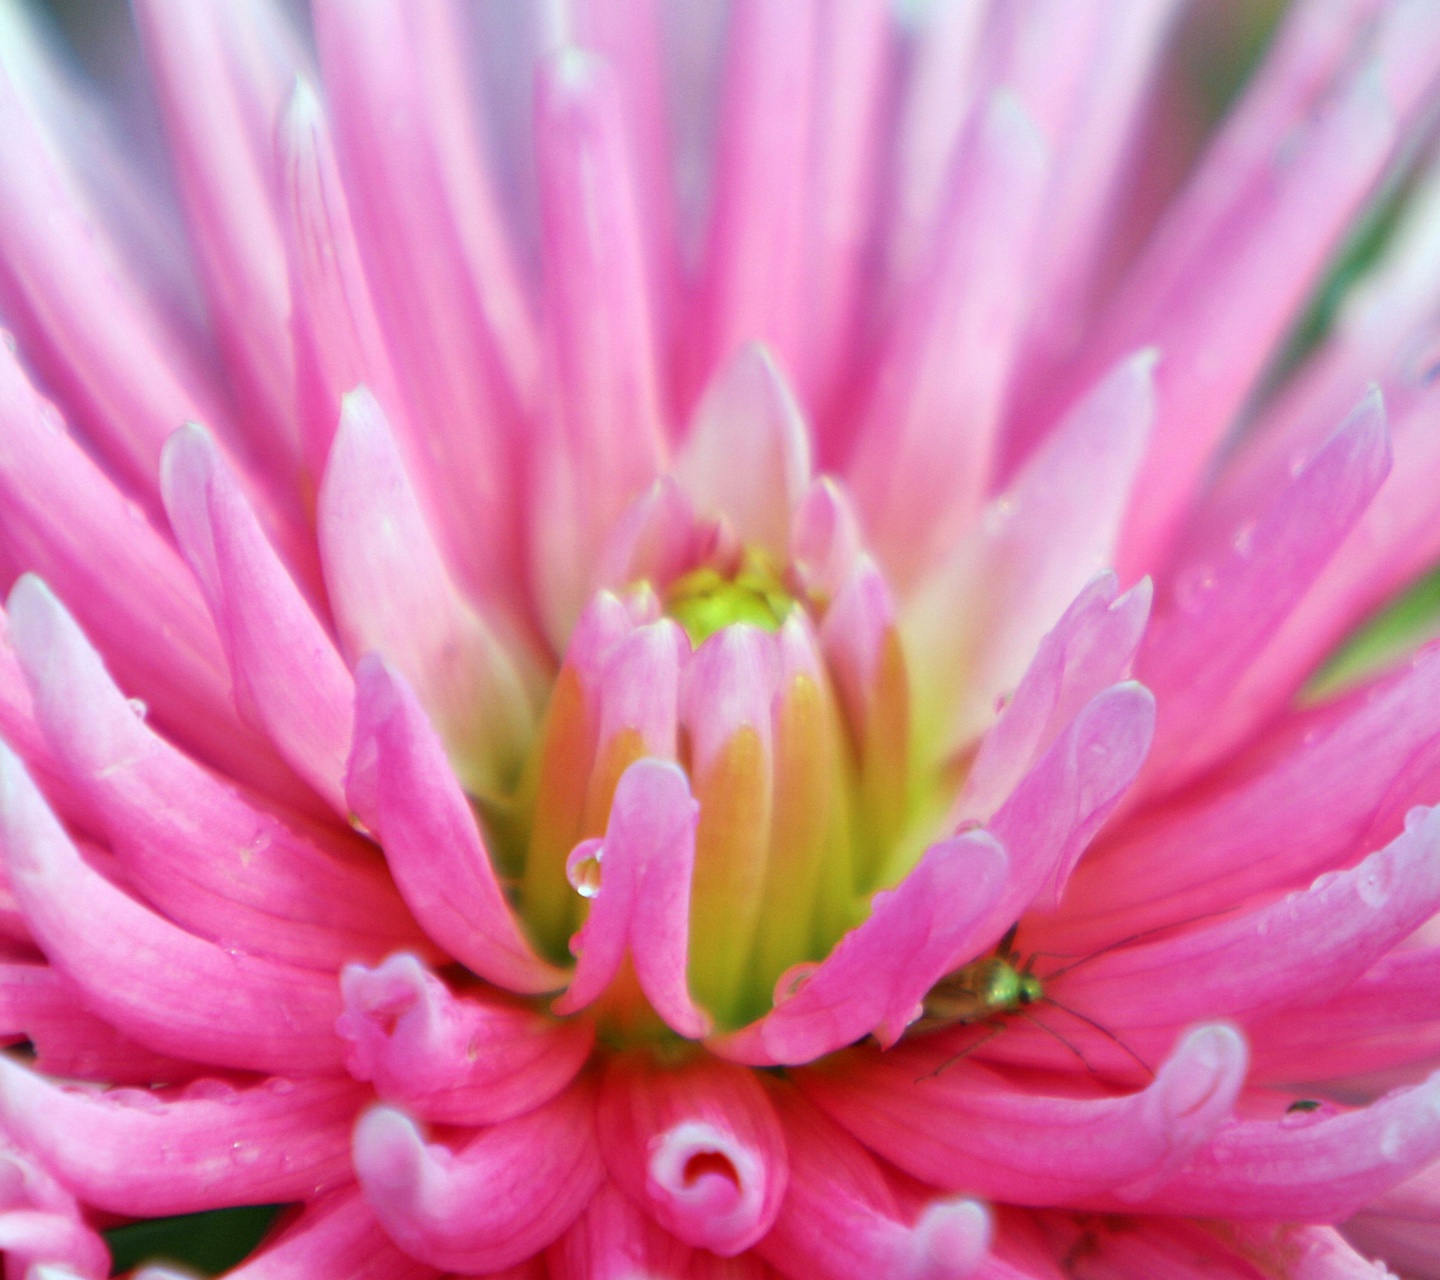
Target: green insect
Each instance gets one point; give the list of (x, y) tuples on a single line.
[(990, 990)]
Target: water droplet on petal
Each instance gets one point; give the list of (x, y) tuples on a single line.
[(139, 707), (1372, 885), (789, 983), (1306, 1111), (582, 867), (1243, 539), (1192, 586)]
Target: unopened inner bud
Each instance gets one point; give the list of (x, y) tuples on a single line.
[(707, 599)]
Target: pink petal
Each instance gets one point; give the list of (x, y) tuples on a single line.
[(64, 519), (1056, 809), (960, 1126), (401, 787), (1260, 962), (879, 973), (825, 539), (698, 1147), (501, 1196), (334, 1238), (471, 1059), (289, 680), (1088, 650), (338, 338), (926, 451), (1321, 787), (747, 455), (975, 623), (189, 843), (142, 973), (755, 256), (455, 316), (392, 593), (1308, 1167), (840, 1220), (223, 75), (1222, 614), (38, 1003), (51, 1246), (643, 902), (614, 1240), (147, 1154)]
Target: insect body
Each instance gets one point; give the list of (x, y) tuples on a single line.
[(986, 988)]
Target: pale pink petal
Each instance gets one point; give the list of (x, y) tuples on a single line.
[(499, 1197), (455, 316), (401, 787), (335, 1238), (1088, 650), (878, 974), (289, 680), (698, 1147), (338, 338), (65, 520), (223, 76), (960, 1126), (141, 973), (755, 256), (825, 539), (1324, 785), (927, 443), (392, 593), (840, 1220), (615, 1240), (642, 902), (207, 1146), (747, 455), (1258, 963), (973, 625), (50, 1246), (1316, 1166), (192, 846), (1056, 809), (1221, 615), (469, 1059)]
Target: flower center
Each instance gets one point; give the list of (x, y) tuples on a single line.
[(705, 600)]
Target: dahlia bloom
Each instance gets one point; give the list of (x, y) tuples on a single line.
[(675, 665)]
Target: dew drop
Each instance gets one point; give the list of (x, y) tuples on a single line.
[(789, 983), (1192, 586), (582, 867), (1243, 539), (213, 1091), (1372, 886), (1305, 1112), (1322, 882), (245, 1153), (50, 417), (139, 707)]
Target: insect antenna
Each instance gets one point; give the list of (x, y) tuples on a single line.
[(1104, 1031), (1119, 943), (1050, 1031), (995, 1029)]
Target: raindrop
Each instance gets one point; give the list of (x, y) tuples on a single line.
[(789, 983), (1192, 586), (1372, 886), (1304, 1112), (50, 416), (582, 867), (139, 707), (1243, 539)]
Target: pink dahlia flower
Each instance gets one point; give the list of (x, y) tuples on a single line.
[(576, 711)]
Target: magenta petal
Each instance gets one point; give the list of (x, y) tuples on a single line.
[(210, 1145), (1056, 809), (1088, 650), (698, 1147), (51, 1246), (402, 789), (879, 973), (142, 973), (1256, 964), (473, 1059), (1222, 614), (501, 1196), (189, 843), (335, 1238), (1308, 1167), (646, 861), (613, 1238), (960, 1126), (840, 1220), (289, 680)]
